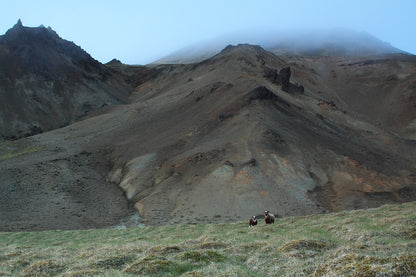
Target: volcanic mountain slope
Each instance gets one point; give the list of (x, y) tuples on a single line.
[(380, 89), (230, 137), (331, 42), (47, 82), (218, 140)]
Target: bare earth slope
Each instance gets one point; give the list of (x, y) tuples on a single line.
[(380, 89), (221, 140)]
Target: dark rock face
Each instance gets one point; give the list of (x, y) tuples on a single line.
[(114, 62), (283, 79), (262, 93), (47, 82), (41, 50)]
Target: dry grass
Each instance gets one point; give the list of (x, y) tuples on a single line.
[(374, 242), (10, 150)]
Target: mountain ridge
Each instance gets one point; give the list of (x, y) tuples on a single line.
[(43, 74), (222, 139), (327, 42)]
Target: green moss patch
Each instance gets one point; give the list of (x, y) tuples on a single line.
[(11, 152), (165, 249), (202, 256), (155, 265), (116, 262)]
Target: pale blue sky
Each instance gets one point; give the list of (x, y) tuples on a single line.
[(139, 32)]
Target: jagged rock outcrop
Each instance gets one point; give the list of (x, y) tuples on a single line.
[(283, 79), (47, 82), (115, 62)]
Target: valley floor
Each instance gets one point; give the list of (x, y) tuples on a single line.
[(373, 242)]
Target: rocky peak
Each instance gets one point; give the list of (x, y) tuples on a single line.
[(18, 24), (242, 47), (40, 50), (21, 34), (114, 62), (47, 82), (246, 53), (15, 30)]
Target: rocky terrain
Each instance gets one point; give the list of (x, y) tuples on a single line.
[(47, 82), (221, 140)]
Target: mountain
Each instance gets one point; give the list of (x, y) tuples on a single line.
[(221, 140), (236, 134), (331, 42), (47, 82)]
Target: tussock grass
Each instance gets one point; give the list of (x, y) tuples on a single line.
[(374, 242), (43, 268), (304, 244), (202, 256)]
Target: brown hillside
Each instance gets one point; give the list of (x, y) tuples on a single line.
[(219, 140)]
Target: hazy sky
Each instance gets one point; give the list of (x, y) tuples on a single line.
[(139, 32)]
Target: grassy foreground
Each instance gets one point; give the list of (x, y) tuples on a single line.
[(375, 242)]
